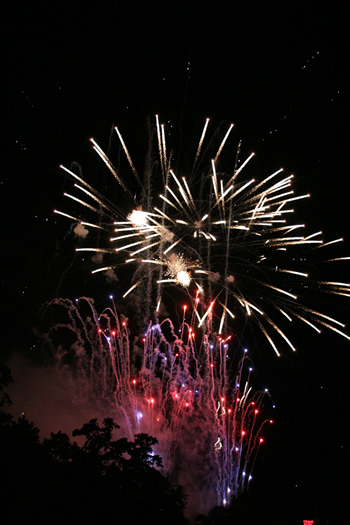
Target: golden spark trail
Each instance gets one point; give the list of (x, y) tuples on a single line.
[(223, 143), (78, 220), (92, 197), (128, 157), (201, 143), (109, 165), (98, 250), (83, 203), (229, 183)]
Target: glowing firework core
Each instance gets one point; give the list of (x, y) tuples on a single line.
[(177, 270), (138, 218), (183, 278)]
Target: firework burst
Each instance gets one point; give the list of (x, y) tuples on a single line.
[(196, 396), (214, 232)]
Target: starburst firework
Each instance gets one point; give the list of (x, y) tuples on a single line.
[(229, 238)]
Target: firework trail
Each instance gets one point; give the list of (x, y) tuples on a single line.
[(231, 239), (196, 397)]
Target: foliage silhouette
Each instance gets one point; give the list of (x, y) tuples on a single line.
[(57, 481)]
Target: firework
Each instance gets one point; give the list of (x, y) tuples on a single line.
[(213, 231), (227, 243), (196, 397)]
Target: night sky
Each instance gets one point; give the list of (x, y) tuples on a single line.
[(281, 76)]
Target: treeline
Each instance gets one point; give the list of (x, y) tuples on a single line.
[(57, 481)]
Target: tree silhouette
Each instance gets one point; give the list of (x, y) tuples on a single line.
[(57, 481)]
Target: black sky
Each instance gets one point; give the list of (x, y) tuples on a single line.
[(280, 75)]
